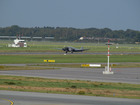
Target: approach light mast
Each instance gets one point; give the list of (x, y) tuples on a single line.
[(107, 69)]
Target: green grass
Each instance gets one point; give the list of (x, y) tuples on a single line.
[(26, 68), (59, 65), (78, 87), (7, 59), (68, 84), (47, 46)]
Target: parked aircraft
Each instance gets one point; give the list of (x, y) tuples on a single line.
[(72, 49)]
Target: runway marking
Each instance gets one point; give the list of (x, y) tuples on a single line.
[(11, 103)]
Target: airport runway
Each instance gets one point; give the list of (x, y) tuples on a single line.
[(62, 53), (31, 98), (122, 75)]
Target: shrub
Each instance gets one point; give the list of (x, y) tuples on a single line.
[(81, 92)]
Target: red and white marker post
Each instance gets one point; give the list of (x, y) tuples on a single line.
[(107, 69)]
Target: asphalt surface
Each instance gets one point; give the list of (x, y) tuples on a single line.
[(122, 75), (60, 53), (31, 98)]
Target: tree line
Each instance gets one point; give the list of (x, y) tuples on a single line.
[(71, 34)]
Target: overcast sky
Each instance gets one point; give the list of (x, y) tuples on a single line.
[(113, 14)]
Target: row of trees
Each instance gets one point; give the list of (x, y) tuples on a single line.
[(71, 34)]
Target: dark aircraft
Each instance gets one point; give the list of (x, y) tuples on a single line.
[(72, 49)]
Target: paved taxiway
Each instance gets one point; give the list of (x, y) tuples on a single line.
[(31, 98), (124, 75), (62, 53)]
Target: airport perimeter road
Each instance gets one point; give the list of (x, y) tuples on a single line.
[(124, 75), (31, 98)]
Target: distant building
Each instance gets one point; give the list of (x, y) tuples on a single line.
[(18, 43), (137, 42), (86, 38), (100, 39), (81, 38), (26, 38)]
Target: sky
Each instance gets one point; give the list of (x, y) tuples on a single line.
[(113, 14)]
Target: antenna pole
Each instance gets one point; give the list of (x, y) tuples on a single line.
[(107, 69), (108, 55)]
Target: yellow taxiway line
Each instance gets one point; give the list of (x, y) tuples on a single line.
[(11, 103)]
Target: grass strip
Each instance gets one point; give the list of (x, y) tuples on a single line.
[(78, 65), (43, 46), (59, 65), (13, 59), (26, 68), (76, 87)]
